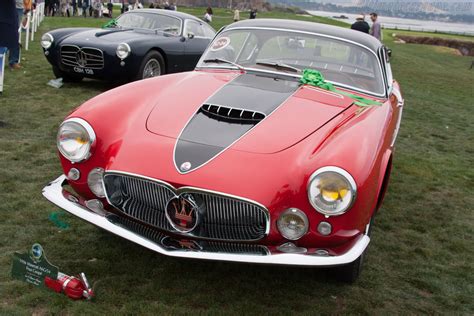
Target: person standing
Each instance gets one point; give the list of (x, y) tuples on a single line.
[(376, 29), (9, 24), (253, 14), (14, 55), (74, 7), (110, 8), (19, 10), (361, 25), (236, 15), (208, 15), (85, 4), (137, 5)]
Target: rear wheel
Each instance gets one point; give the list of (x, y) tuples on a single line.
[(350, 272), (153, 65), (67, 77)]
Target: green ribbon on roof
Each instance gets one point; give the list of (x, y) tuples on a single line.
[(315, 78), (111, 23)]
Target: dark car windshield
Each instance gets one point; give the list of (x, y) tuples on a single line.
[(340, 62), (150, 21)]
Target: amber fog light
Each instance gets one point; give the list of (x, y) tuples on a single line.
[(293, 224), (324, 228), (95, 180)]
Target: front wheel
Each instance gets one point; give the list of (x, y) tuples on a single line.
[(350, 272), (153, 65)]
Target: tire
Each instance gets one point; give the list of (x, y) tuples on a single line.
[(66, 76), (153, 65), (350, 272)]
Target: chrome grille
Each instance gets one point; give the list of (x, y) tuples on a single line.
[(224, 217), (85, 57), (173, 244)]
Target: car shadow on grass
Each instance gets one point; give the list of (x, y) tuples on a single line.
[(146, 275)]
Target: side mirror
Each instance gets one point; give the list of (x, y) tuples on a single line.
[(190, 35)]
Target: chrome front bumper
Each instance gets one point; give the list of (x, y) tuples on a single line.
[(55, 193)]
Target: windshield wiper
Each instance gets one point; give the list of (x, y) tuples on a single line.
[(279, 66), (223, 61)]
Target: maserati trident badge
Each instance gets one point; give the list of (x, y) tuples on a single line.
[(182, 213), (81, 58)]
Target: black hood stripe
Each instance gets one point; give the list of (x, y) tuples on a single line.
[(206, 136)]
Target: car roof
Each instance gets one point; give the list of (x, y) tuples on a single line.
[(177, 14), (313, 27)]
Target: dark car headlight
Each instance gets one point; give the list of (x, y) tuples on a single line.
[(47, 40), (75, 139), (331, 191)]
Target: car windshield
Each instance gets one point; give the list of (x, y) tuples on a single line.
[(339, 61), (150, 21)]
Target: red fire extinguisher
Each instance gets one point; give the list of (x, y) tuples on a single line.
[(73, 287)]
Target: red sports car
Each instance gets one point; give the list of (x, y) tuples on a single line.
[(276, 149)]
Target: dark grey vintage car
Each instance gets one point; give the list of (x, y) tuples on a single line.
[(138, 44)]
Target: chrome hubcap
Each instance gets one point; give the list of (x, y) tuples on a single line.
[(152, 69)]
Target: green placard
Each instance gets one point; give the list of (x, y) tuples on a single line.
[(32, 267)]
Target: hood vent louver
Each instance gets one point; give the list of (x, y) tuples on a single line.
[(231, 114)]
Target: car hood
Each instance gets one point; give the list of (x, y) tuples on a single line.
[(116, 36), (208, 113)]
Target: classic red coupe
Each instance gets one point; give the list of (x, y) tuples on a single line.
[(276, 149)]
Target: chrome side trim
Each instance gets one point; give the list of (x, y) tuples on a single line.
[(53, 193), (400, 104), (177, 191)]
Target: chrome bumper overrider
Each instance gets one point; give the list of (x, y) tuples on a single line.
[(54, 193)]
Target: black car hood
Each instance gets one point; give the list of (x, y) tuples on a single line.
[(113, 36)]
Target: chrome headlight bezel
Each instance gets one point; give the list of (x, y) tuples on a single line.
[(95, 182), (300, 215), (123, 50), (345, 176), (91, 138), (47, 40)]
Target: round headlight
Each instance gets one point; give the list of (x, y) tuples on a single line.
[(47, 40), (75, 139), (95, 180), (293, 224), (123, 50), (331, 191)]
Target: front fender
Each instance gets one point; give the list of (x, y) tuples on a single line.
[(361, 147)]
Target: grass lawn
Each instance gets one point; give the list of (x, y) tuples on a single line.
[(420, 260)]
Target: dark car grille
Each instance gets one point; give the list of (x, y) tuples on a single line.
[(85, 57), (171, 244), (223, 217)]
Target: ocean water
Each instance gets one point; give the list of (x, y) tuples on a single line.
[(406, 24)]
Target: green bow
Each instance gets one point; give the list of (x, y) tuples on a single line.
[(111, 23), (315, 78), (54, 217)]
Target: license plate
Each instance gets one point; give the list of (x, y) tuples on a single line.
[(86, 71)]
